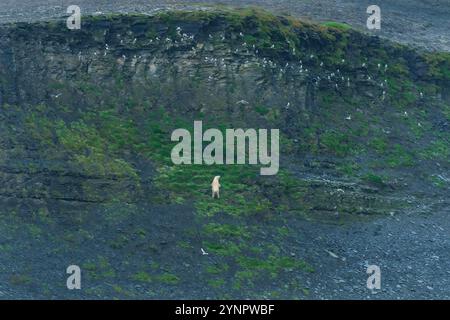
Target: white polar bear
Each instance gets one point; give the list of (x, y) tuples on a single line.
[(215, 186)]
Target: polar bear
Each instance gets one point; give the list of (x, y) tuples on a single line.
[(215, 186)]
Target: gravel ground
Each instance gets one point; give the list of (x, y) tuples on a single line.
[(422, 23), (412, 251)]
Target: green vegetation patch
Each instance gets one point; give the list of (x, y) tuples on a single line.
[(336, 25)]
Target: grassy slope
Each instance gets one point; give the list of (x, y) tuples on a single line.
[(103, 140)]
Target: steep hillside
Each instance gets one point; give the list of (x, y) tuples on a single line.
[(86, 119)]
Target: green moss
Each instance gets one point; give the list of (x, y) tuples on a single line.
[(283, 231), (400, 157), (437, 150), (141, 276), (337, 25), (336, 142), (222, 249), (253, 268), (349, 168), (99, 269), (446, 111), (40, 129), (95, 145), (216, 283), (380, 145), (399, 69), (226, 230), (375, 180), (273, 264), (262, 110), (167, 278), (438, 181), (34, 230), (439, 65), (239, 194), (217, 269), (184, 245)]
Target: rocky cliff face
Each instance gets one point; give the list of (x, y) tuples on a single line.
[(415, 22), (86, 119), (79, 106)]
